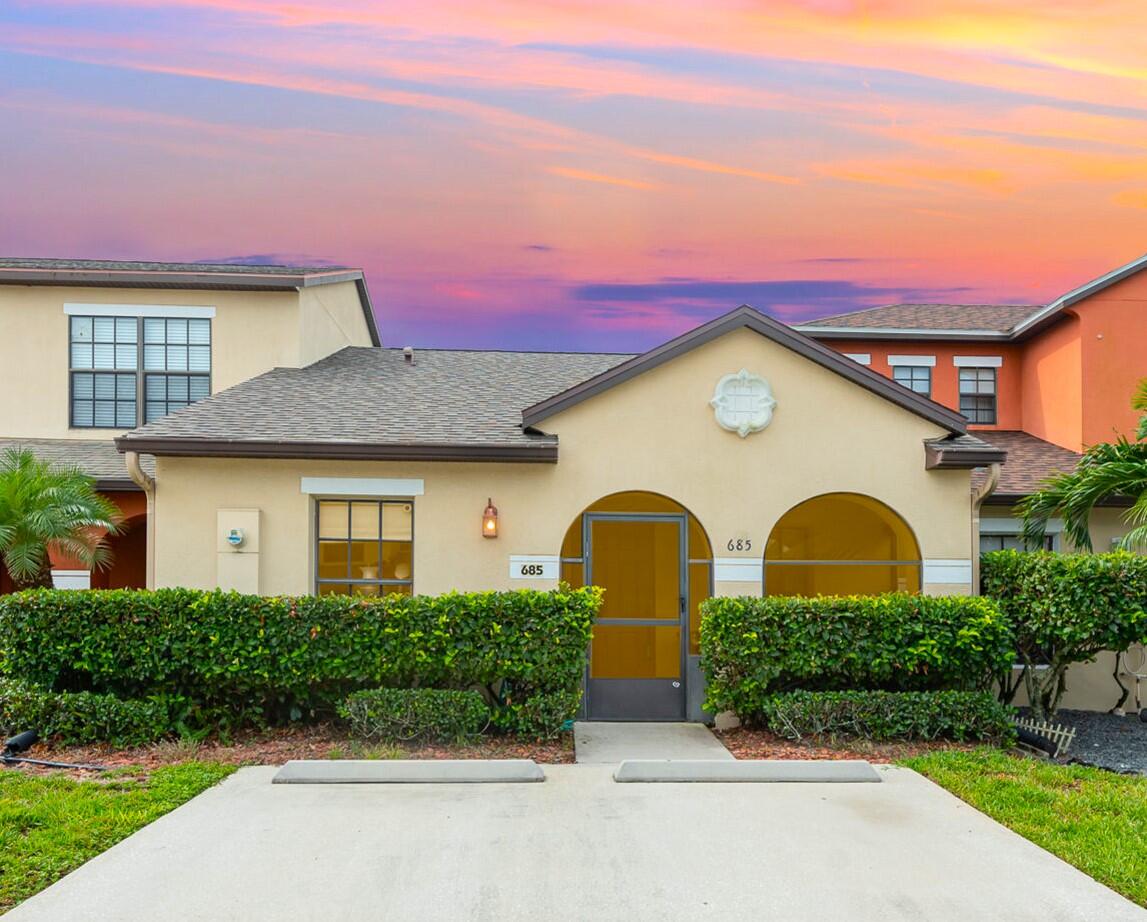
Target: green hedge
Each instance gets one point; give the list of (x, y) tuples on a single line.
[(754, 647), (78, 718), (1066, 608), (236, 659), (883, 715), (399, 715)]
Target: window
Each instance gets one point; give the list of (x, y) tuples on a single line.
[(841, 544), (978, 394), (119, 365), (364, 547), (916, 378), (1012, 543)]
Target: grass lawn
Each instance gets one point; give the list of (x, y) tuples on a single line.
[(1091, 818), (51, 824)]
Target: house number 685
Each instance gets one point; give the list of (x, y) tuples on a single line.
[(739, 544)]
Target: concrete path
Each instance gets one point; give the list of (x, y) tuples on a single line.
[(576, 847), (598, 742)]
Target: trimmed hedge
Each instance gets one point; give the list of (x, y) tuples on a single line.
[(1066, 608), (883, 715), (78, 718), (236, 659), (399, 715), (754, 647)]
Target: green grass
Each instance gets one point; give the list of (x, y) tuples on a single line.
[(50, 824), (1093, 819)]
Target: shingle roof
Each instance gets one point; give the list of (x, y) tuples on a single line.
[(980, 318), (97, 458), (1030, 461), (371, 397), (126, 265)]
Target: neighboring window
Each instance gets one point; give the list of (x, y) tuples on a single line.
[(364, 547), (916, 378), (1012, 543), (841, 544), (978, 394), (119, 365)]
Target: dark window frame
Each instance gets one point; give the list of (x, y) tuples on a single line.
[(915, 374), (139, 372), (979, 406), (317, 541)]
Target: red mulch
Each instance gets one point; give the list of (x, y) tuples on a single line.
[(763, 744), (274, 747)]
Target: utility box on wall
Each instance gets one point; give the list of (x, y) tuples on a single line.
[(237, 550)]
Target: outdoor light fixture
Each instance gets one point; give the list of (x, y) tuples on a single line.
[(490, 520)]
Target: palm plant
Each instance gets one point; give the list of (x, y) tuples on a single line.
[(46, 507), (1106, 471)]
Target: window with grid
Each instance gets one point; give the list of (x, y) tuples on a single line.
[(364, 547), (1012, 543), (126, 371), (978, 394), (916, 378)]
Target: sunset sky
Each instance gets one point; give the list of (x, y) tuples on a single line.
[(586, 175)]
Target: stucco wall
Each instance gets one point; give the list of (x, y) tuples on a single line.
[(1053, 386), (251, 333), (655, 432)]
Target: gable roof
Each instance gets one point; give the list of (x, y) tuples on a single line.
[(97, 458), (370, 403), (1030, 462), (108, 273), (1000, 322), (748, 318)]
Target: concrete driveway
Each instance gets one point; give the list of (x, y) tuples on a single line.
[(579, 847)]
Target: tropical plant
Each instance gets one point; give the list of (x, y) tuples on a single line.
[(1107, 471), (47, 507)]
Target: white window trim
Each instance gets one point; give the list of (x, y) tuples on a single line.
[(362, 486), (915, 361), (72, 579), (861, 358), (188, 312), (977, 361)]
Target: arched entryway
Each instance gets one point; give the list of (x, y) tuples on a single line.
[(841, 544), (655, 562)]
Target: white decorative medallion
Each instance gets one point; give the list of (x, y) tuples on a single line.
[(743, 403)]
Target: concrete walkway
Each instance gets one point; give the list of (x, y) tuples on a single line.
[(597, 742), (575, 847)]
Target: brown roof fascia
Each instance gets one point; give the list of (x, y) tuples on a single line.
[(543, 452), (938, 456), (745, 316)]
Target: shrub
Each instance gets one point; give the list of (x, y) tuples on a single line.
[(78, 718), (1065, 608), (883, 715), (754, 647), (256, 659), (427, 714)]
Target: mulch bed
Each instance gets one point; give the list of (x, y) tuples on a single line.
[(762, 744), (274, 747)]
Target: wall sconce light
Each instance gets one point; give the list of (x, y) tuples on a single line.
[(490, 520)]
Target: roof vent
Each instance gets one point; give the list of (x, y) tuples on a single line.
[(408, 354)]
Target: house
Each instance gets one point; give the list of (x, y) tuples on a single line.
[(745, 456)]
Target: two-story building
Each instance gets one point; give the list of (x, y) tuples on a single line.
[(272, 446)]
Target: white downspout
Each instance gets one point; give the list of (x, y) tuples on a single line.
[(146, 483), (979, 494)]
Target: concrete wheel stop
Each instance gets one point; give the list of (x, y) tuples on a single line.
[(746, 771), (409, 771)]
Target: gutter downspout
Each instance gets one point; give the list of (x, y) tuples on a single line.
[(146, 483), (980, 494)]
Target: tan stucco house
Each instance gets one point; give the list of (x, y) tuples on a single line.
[(290, 453)]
